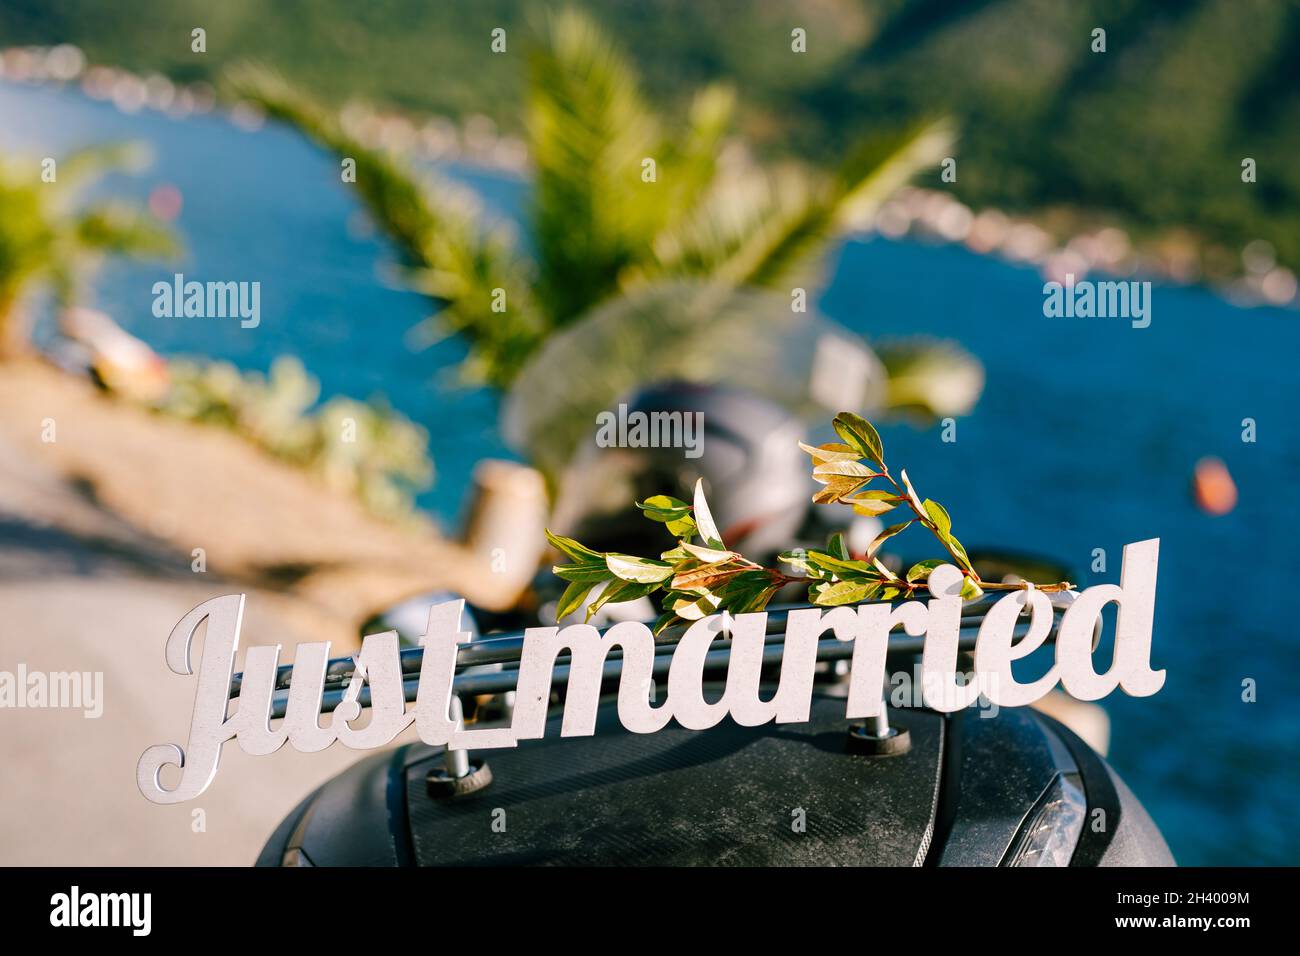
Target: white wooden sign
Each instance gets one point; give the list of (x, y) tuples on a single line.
[(867, 626)]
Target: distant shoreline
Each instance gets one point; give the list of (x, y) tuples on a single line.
[(916, 212)]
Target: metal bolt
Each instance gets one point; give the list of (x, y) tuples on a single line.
[(878, 726), (875, 738), (457, 761)]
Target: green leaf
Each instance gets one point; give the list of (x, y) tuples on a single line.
[(885, 535), (873, 503), (682, 527), (592, 572), (921, 570), (970, 590), (692, 608), (673, 512), (755, 601), (664, 503), (839, 567), (709, 555), (639, 570), (618, 592), (846, 592), (962, 558), (798, 560), (861, 435), (837, 487), (911, 492), (846, 469), (578, 552), (664, 620), (704, 519), (573, 597), (878, 496), (837, 547), (747, 592), (887, 574), (831, 451), (939, 515), (665, 515)]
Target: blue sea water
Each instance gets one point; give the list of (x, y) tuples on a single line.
[(1085, 437)]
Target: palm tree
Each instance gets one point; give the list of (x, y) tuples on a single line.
[(50, 240), (598, 228), (622, 204)]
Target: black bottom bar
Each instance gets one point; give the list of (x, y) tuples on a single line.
[(1002, 908)]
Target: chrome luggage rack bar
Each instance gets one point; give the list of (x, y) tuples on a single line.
[(490, 665)]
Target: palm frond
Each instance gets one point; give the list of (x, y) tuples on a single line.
[(115, 228), (88, 164), (881, 164), (773, 228), (50, 240), (438, 229), (690, 330), (589, 133), (602, 227), (748, 225), (691, 159)]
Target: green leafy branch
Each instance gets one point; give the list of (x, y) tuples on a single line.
[(701, 576)]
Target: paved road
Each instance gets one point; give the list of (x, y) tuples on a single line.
[(81, 591), (96, 533)]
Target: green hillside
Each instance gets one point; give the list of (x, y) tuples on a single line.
[(1152, 131)]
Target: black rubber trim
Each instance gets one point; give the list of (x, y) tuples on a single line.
[(1098, 790), (1022, 831), (949, 789), (279, 842), (399, 817)]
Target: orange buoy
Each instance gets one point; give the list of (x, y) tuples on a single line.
[(1213, 487)]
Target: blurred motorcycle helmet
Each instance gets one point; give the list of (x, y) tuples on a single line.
[(744, 447)]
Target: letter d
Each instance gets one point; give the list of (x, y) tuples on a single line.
[(1131, 664)]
